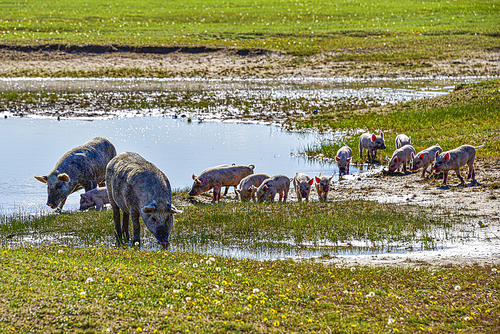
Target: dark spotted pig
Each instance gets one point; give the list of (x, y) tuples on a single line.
[(246, 191), (277, 184), (82, 167), (454, 159), (218, 177), (139, 189), (97, 198), (425, 158), (372, 143)]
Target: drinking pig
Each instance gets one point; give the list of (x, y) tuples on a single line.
[(425, 158), (276, 184), (139, 189), (246, 191), (302, 184), (454, 159), (97, 198), (343, 158), (218, 177), (400, 157), (402, 140), (323, 186), (81, 167), (372, 143)]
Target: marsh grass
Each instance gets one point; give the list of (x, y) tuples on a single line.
[(469, 115), (87, 290)]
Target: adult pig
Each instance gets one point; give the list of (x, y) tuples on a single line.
[(277, 184), (218, 177), (246, 191), (454, 159), (302, 184), (425, 158), (401, 156), (372, 143), (323, 186), (343, 158), (82, 167), (402, 140), (97, 198), (139, 189)]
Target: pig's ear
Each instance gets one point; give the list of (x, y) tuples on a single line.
[(337, 159), (447, 157), (412, 155), (421, 156), (311, 181), (317, 179), (198, 181), (84, 197), (396, 159), (194, 177), (349, 160), (265, 188), (253, 188), (42, 179), (63, 177), (437, 154), (382, 134), (149, 208), (373, 137), (172, 209)]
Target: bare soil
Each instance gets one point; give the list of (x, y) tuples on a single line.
[(479, 201)]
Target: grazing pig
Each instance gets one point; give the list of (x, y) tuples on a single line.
[(246, 191), (139, 189), (218, 177), (97, 198), (81, 167), (400, 157), (372, 143), (425, 158), (454, 159), (343, 158), (323, 186), (402, 140), (302, 184), (276, 184)]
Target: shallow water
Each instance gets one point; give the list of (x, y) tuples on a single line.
[(32, 146)]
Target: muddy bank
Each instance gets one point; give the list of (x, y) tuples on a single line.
[(58, 60)]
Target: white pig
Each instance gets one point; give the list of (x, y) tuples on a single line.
[(246, 191), (425, 158), (402, 140), (277, 184), (343, 158), (400, 157), (302, 184), (456, 158), (372, 143), (97, 198)]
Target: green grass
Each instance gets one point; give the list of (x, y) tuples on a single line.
[(55, 289), (469, 115), (363, 30)]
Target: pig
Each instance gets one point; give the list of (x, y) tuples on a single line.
[(277, 184), (97, 198), (81, 167), (343, 158), (372, 143), (323, 186), (401, 156), (218, 177), (302, 184), (246, 191), (454, 159), (139, 189), (425, 158), (402, 140)]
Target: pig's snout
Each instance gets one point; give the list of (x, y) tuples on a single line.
[(52, 205)]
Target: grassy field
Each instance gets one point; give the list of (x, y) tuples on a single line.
[(76, 281), (362, 30), (469, 115)]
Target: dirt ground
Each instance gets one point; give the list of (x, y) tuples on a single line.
[(480, 202)]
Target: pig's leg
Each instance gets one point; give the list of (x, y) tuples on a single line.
[(125, 226), (116, 219), (471, 171), (445, 177), (374, 155), (136, 226), (360, 152), (216, 194), (88, 185), (404, 167), (99, 204), (457, 171), (226, 191)]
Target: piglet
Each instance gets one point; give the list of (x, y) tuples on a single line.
[(246, 191), (400, 157), (343, 158), (323, 186), (302, 184), (277, 184), (97, 198), (372, 143), (425, 158), (454, 159), (402, 140)]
